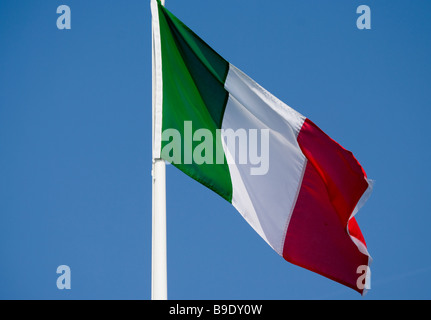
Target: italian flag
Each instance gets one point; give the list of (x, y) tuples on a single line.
[(296, 187)]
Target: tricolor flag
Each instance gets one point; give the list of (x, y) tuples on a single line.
[(295, 186)]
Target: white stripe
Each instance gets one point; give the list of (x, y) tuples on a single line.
[(157, 82), (241, 199), (365, 196), (265, 201)]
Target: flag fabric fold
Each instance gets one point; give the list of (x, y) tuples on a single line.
[(296, 187)]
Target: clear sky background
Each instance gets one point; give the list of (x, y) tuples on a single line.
[(75, 146)]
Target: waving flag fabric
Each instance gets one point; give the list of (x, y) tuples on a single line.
[(295, 186)]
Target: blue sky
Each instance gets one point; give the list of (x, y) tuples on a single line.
[(75, 146)]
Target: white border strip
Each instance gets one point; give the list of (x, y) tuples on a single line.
[(361, 247), (365, 196), (157, 82)]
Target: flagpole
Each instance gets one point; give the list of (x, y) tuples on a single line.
[(159, 283)]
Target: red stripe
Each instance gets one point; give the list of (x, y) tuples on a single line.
[(333, 182)]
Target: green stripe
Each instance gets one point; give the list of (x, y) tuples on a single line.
[(193, 90)]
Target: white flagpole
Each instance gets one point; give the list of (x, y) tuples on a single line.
[(159, 283)]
